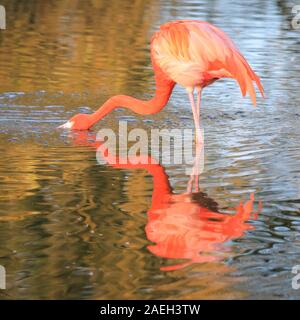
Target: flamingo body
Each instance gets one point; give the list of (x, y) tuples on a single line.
[(196, 53), (191, 53)]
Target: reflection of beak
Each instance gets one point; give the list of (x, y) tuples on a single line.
[(67, 125)]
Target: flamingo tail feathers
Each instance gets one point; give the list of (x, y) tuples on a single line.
[(245, 77)]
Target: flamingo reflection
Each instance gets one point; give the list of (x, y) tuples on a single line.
[(186, 226)]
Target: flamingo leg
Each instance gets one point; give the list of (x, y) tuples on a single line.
[(195, 115), (194, 179), (198, 113)]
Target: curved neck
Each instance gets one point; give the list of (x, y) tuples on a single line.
[(164, 87)]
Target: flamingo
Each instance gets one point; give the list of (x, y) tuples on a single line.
[(193, 54)]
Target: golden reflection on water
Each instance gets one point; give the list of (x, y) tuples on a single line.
[(62, 205), (75, 46)]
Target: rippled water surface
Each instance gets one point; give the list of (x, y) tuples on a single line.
[(71, 228)]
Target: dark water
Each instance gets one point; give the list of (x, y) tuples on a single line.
[(71, 228)]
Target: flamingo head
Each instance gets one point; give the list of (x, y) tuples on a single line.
[(78, 122)]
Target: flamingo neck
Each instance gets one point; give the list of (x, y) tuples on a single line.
[(164, 88)]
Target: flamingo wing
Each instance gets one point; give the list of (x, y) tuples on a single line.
[(192, 53)]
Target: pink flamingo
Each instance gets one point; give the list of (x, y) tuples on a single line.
[(191, 53)]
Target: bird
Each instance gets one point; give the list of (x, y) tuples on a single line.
[(190, 53)]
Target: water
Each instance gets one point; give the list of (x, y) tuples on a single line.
[(70, 228)]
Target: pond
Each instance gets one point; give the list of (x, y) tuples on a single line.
[(71, 228)]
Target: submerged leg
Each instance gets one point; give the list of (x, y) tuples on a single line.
[(198, 162), (197, 169)]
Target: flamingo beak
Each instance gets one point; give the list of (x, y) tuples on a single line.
[(67, 125)]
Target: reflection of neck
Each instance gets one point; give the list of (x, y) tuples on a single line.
[(161, 185), (162, 190), (164, 88)]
